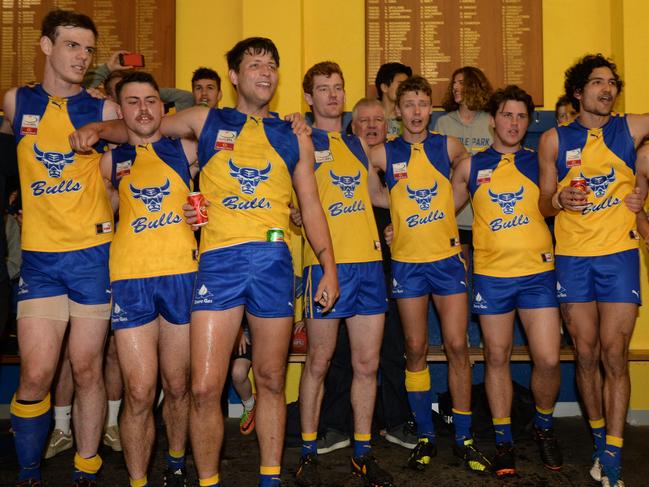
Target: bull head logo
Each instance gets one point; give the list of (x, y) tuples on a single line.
[(55, 162), (422, 196), (507, 201), (599, 184), (152, 196), (249, 177), (347, 184)]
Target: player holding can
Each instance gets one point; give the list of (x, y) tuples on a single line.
[(249, 163), (597, 261)]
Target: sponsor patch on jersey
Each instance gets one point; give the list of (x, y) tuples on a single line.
[(634, 235), (573, 157), (484, 176), (123, 168), (225, 140), (29, 124), (400, 170), (377, 245), (455, 242), (323, 156), (547, 257), (104, 227)]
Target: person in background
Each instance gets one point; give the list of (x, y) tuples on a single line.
[(206, 87), (173, 98), (464, 100), (564, 112), (387, 80)]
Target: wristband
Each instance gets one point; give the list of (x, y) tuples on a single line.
[(556, 203)]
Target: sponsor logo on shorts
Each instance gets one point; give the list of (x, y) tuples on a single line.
[(479, 302), (637, 294), (562, 292), (396, 287), (118, 315), (203, 295), (22, 286)]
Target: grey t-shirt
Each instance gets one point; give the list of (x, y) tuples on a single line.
[(474, 136)]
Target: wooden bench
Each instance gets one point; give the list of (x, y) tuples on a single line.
[(520, 353)]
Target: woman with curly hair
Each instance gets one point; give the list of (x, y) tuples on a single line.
[(465, 100)]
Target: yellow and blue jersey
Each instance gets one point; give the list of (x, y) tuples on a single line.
[(510, 236), (64, 199), (341, 167), (605, 157), (246, 173), (152, 238), (421, 200)]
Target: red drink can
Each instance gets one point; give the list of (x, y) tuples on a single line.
[(197, 200), (580, 184)]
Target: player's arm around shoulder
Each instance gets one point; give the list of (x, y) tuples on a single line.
[(190, 148), (106, 169), (186, 124), (111, 129), (638, 126), (642, 187), (456, 150), (549, 198), (460, 182), (378, 157), (315, 223), (378, 192)]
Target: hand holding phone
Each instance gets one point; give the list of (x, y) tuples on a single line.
[(132, 59)]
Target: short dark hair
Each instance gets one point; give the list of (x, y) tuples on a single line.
[(476, 90), (325, 68), (578, 74), (135, 77), (65, 18), (386, 74), (117, 74), (254, 45), (206, 73), (561, 102), (414, 83), (511, 92)]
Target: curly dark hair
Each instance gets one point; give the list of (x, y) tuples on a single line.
[(415, 83), (511, 92), (578, 74), (477, 90)]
